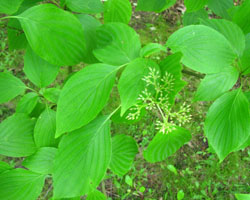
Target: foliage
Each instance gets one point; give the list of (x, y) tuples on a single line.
[(63, 131)]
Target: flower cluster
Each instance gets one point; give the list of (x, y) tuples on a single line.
[(158, 99)]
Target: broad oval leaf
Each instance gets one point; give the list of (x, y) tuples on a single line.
[(204, 49), (117, 11), (16, 136), (96, 195), (4, 167), (245, 59), (39, 71), (27, 103), (190, 18), (9, 7), (227, 124), (16, 36), (83, 97), (117, 44), (194, 5), (10, 87), (42, 161), (20, 184), (83, 158), (152, 48), (220, 7), (171, 65), (39, 108), (214, 85), (247, 94), (86, 6), (45, 129), (231, 32), (124, 149), (164, 145), (154, 5), (241, 16), (242, 196), (131, 84), (55, 35), (90, 25)]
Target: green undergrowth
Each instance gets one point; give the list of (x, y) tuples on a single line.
[(193, 170)]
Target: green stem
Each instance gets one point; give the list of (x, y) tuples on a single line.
[(161, 112), (32, 89), (12, 17), (192, 74), (55, 2), (111, 114)]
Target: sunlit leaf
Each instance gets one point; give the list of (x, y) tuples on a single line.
[(82, 159)]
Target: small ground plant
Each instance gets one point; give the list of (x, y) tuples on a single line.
[(62, 132)]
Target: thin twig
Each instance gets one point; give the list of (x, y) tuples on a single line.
[(193, 74), (48, 191)]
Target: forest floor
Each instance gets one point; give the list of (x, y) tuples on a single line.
[(193, 170)]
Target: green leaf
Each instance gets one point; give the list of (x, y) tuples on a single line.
[(26, 4), (42, 161), (96, 195), (231, 32), (9, 7), (245, 59), (117, 11), (39, 108), (214, 85), (241, 16), (4, 167), (131, 84), (86, 6), (117, 44), (20, 184), (221, 7), (83, 157), (164, 145), (39, 71), (151, 48), (195, 42), (154, 5), (86, 92), (194, 5), (171, 65), (247, 94), (16, 136), (242, 196), (172, 169), (73, 198), (124, 149), (180, 195), (55, 35), (45, 128), (190, 18), (227, 124), (16, 36), (51, 94), (129, 180), (10, 87), (27, 103), (90, 25)]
